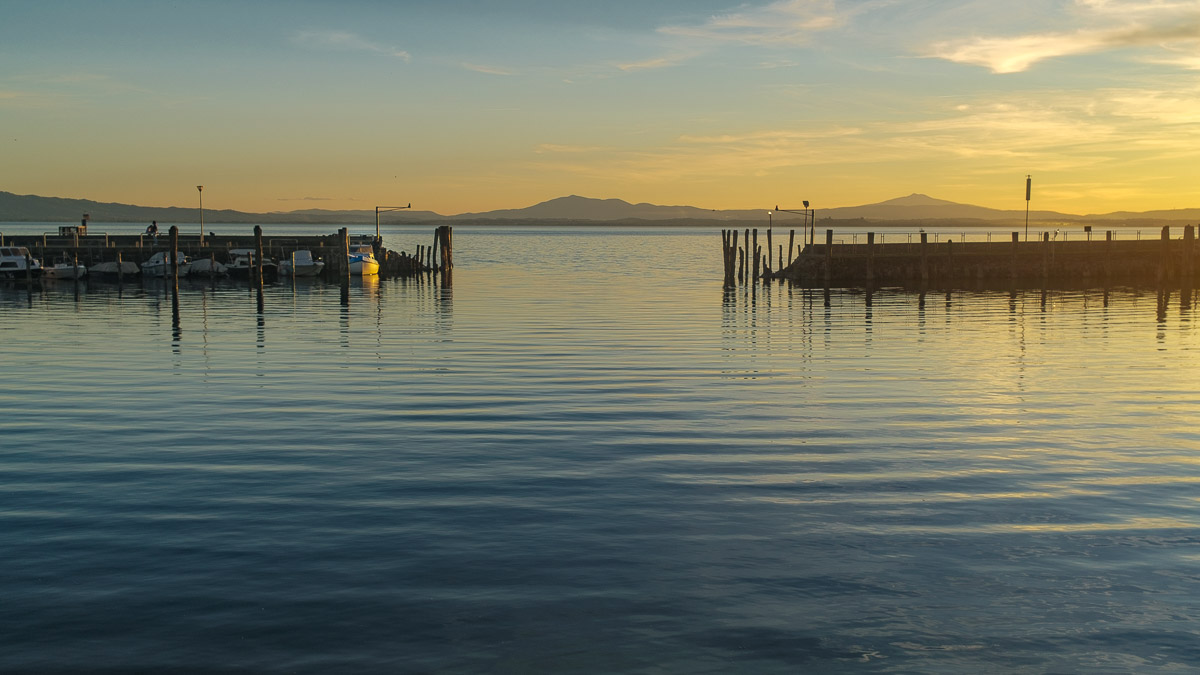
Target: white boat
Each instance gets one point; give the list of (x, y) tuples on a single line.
[(159, 265), (110, 269), (207, 267), (65, 270), (362, 260), (241, 264), (13, 266), (301, 264)]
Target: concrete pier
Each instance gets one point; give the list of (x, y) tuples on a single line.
[(1044, 263)]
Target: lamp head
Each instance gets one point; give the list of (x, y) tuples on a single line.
[(806, 203)]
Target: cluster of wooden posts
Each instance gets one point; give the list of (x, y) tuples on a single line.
[(1041, 263), (736, 269)]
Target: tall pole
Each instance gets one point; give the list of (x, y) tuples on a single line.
[(200, 189), (1028, 186)]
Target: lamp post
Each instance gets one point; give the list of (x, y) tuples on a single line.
[(810, 219), (1028, 188), (200, 189), (385, 209)]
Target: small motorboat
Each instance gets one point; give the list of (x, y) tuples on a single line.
[(159, 265), (208, 268), (362, 260), (301, 264), (241, 265), (17, 264), (111, 269), (65, 269)]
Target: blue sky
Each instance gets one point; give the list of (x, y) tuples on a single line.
[(463, 106)]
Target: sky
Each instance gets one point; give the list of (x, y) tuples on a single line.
[(460, 106)]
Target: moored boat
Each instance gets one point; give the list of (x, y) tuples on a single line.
[(159, 265), (113, 269), (362, 260), (241, 265), (207, 267), (301, 264), (65, 269), (16, 263)]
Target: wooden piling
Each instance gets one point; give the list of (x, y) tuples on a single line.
[(741, 274), (791, 245), (1012, 265), (1045, 256), (828, 256), (1164, 259), (258, 256), (755, 249), (870, 257), (173, 253), (344, 242), (1189, 262), (768, 266), (924, 257)]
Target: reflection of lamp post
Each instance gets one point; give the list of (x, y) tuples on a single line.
[(385, 209), (200, 189)]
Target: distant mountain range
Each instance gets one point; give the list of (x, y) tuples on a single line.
[(573, 209)]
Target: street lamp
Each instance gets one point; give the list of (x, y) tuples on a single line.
[(385, 209), (200, 189), (810, 219)]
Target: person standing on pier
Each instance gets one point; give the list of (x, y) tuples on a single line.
[(152, 230)]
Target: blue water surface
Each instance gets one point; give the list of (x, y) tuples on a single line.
[(585, 457)]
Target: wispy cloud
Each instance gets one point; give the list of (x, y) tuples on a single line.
[(346, 41), (549, 148), (778, 23), (1072, 132), (658, 62), (488, 70), (1148, 23)]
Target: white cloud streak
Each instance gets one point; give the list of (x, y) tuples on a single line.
[(788, 22), (488, 70), (346, 41), (1143, 24)]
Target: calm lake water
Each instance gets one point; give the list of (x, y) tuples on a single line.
[(586, 458)]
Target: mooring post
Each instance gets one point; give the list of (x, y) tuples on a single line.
[(344, 240), (791, 245), (924, 256), (733, 255), (1045, 256), (769, 266), (728, 273), (258, 256), (828, 256), (1189, 241), (447, 256), (1165, 254), (741, 274), (120, 268), (870, 257), (757, 259), (173, 254), (1012, 263), (28, 269)]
